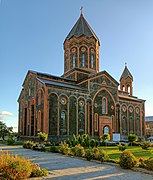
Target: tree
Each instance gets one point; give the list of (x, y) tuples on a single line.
[(132, 138), (4, 130)]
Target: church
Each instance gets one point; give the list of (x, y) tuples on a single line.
[(83, 99)]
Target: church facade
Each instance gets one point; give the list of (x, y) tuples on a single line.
[(83, 99)]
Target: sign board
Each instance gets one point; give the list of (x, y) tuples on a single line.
[(116, 137)]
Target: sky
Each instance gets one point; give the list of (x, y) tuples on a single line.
[(32, 33)]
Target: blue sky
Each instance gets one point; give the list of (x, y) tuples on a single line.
[(32, 33)]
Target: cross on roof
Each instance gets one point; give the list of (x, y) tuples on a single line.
[(81, 9)]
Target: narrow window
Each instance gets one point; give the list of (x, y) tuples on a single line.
[(83, 60), (123, 88), (96, 122), (104, 102), (92, 61), (73, 60), (63, 123)]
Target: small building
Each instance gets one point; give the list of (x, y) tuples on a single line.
[(83, 99), (149, 126)]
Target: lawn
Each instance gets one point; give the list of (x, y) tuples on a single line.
[(137, 151)]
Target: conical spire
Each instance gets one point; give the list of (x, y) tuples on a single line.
[(126, 73), (81, 28)]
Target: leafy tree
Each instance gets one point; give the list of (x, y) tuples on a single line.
[(132, 138), (4, 130)]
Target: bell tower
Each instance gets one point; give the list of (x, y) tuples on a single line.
[(126, 81), (81, 50)]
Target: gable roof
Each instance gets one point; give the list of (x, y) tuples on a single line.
[(126, 73), (61, 84), (81, 28), (106, 73)]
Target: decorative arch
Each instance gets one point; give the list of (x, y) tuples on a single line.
[(72, 114), (92, 55), (73, 57), (53, 114), (106, 91), (83, 54)]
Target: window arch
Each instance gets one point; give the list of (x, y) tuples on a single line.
[(104, 105), (106, 130)]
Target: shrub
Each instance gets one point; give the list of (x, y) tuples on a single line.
[(102, 156), (69, 142), (37, 172), (145, 145), (64, 148), (127, 160), (132, 138), (105, 137), (42, 136), (74, 141), (10, 140), (54, 149), (48, 143), (121, 147), (95, 152), (78, 150), (148, 163), (92, 143), (15, 167), (85, 140), (28, 144), (89, 154)]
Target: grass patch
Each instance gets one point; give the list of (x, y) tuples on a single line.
[(114, 153)]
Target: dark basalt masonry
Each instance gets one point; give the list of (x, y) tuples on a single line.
[(82, 100)]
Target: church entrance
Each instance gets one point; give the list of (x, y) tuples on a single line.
[(105, 125)]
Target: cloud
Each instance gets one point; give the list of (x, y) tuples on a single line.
[(6, 113), (3, 118)]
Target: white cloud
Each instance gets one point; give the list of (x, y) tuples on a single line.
[(3, 118), (6, 113)]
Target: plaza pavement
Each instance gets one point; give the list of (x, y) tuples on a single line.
[(66, 168)]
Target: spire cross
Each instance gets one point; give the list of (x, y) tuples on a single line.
[(81, 9), (126, 64)]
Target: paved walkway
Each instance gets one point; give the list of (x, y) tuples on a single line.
[(66, 168)]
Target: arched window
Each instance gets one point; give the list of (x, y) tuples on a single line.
[(104, 105), (128, 88), (73, 60), (123, 88), (83, 60), (63, 123), (92, 60), (106, 130)]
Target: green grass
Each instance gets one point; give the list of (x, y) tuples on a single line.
[(137, 151)]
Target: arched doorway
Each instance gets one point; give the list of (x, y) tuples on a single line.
[(106, 130)]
